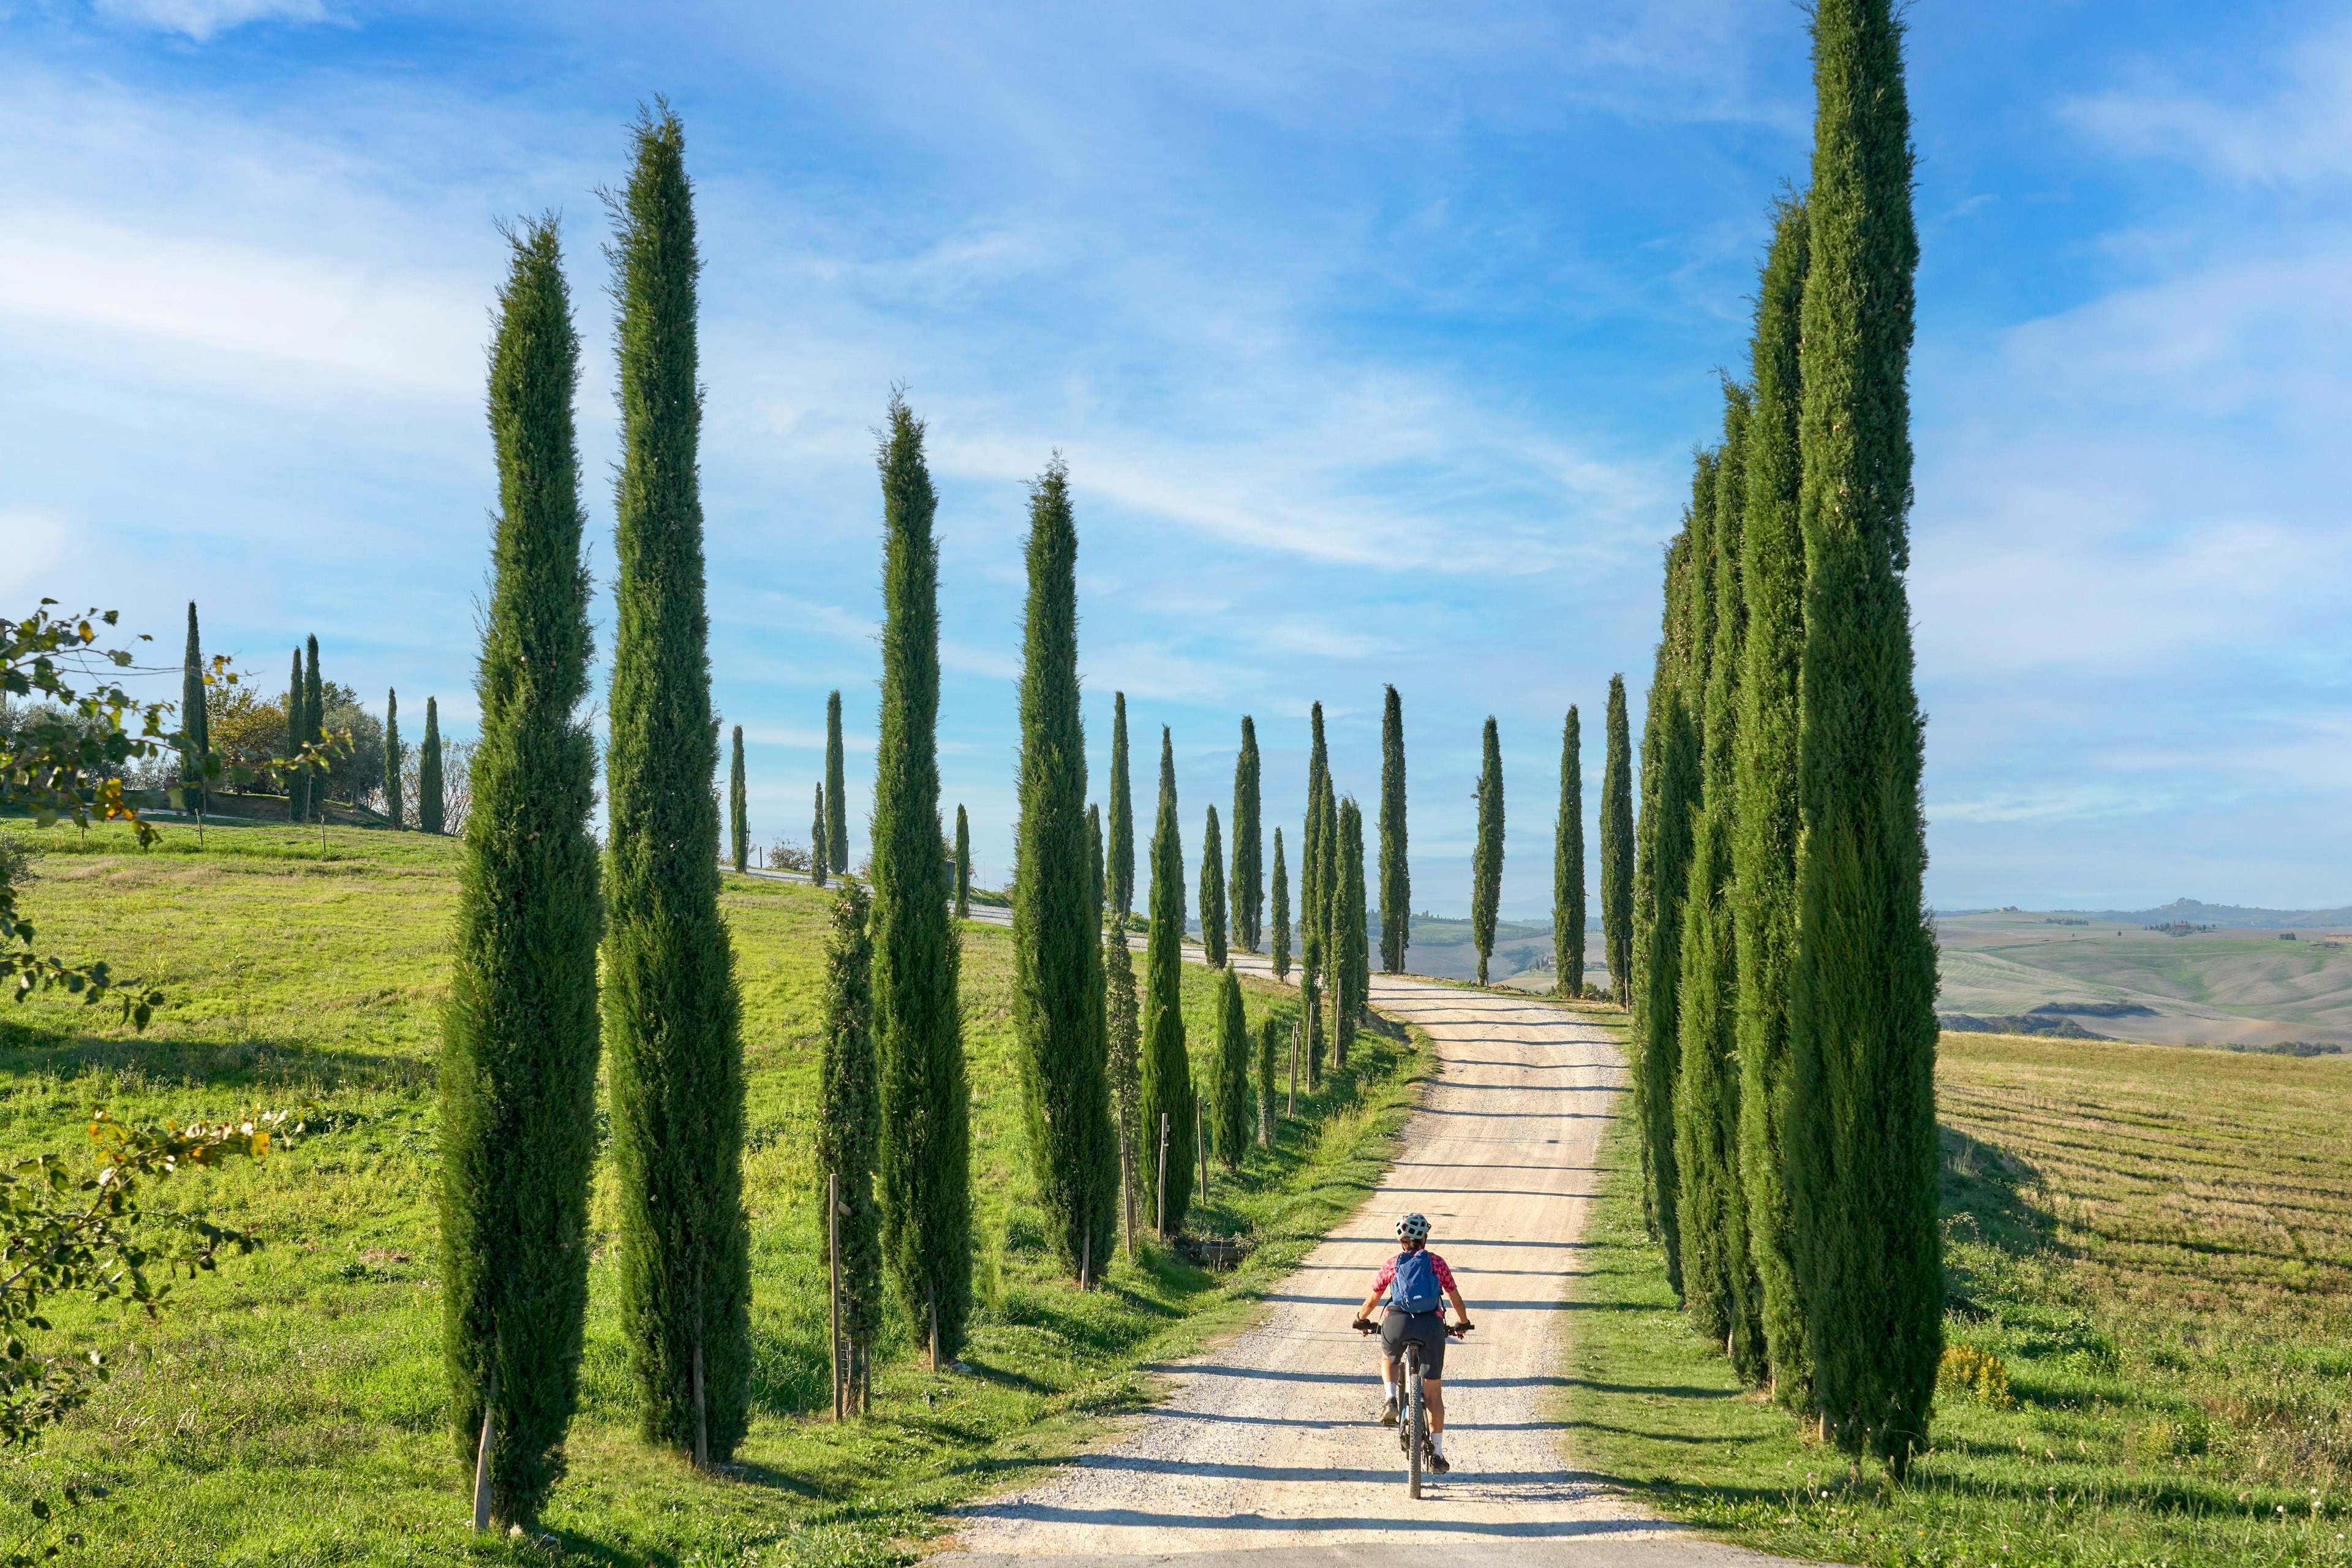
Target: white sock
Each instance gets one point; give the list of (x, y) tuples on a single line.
[(1390, 1387), (1437, 1441)]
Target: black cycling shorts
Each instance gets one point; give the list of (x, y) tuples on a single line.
[(1426, 1330)]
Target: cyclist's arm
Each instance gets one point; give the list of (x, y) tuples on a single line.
[(1461, 1312), (1371, 1302)]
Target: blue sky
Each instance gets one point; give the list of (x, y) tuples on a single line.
[(1376, 337)]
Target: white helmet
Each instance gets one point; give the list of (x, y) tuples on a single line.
[(1412, 1228)]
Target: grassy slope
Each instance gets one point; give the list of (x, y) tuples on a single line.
[(2211, 985), (290, 1409), (2157, 1243)]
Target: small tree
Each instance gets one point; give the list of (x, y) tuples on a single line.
[(1120, 828), (962, 863), (1246, 895), (1486, 870), (1352, 959), (297, 726), (1212, 893), (820, 853), (196, 743), (1568, 864), (738, 821), (1229, 1126), (430, 803), (1269, 1052), (1396, 870), (1279, 925), (314, 717), (836, 807), (395, 761), (1617, 847), (1167, 1069), (849, 1123)]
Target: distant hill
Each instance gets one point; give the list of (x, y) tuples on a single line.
[(2192, 911)]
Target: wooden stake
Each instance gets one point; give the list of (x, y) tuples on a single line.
[(1163, 1226), (482, 1459), (1293, 1068), (701, 1417), (833, 1240)]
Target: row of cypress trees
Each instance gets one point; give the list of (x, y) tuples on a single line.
[(1783, 970)]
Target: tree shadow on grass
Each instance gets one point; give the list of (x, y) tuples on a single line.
[(269, 1066)]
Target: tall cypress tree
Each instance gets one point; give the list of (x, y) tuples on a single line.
[(849, 1116), (430, 814), (820, 854), (926, 1164), (1396, 870), (738, 807), (1119, 830), (195, 726), (1353, 923), (1568, 863), (1167, 1070), (1719, 1285), (393, 758), (1246, 895), (1655, 1072), (1617, 846), (1764, 850), (314, 717), (1486, 872), (673, 1018), (1123, 1019), (1278, 930), (1313, 981), (1862, 1017), (1212, 892), (963, 867), (836, 805), (1057, 986), (298, 780), (1323, 921), (1231, 1102), (517, 1075)]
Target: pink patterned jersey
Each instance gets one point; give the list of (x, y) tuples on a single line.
[(1388, 1272)]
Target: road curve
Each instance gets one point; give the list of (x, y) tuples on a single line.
[(1269, 1444)]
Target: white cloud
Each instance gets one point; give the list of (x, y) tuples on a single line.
[(202, 19), (2298, 133)]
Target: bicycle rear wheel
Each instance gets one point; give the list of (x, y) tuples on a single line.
[(1417, 1424)]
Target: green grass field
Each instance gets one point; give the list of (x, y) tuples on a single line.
[(2156, 1245), (289, 1410)]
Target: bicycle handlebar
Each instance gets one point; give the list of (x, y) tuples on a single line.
[(1460, 1328), (1362, 1325)]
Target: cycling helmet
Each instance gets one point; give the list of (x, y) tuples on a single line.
[(1412, 1228)]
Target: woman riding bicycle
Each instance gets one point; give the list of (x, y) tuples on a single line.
[(1410, 1281)]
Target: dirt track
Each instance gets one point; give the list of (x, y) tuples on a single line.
[(1271, 1441)]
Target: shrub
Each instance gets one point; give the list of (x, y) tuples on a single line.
[(1975, 1375)]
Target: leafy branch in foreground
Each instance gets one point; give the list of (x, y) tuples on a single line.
[(64, 1233), (64, 760)]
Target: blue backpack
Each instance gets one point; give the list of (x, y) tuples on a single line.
[(1413, 1286)]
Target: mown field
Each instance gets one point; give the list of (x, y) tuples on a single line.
[(289, 1409), (2153, 1244)]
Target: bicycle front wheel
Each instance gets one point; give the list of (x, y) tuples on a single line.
[(1417, 1426)]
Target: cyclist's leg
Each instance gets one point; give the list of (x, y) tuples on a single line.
[(1433, 1394)]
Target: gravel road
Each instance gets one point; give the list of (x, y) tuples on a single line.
[(1270, 1443)]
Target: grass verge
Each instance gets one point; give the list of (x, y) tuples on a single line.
[(290, 1409), (2149, 1244)]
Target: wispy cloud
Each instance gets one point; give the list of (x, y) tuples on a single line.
[(202, 20)]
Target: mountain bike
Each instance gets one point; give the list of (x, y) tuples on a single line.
[(1412, 1425)]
